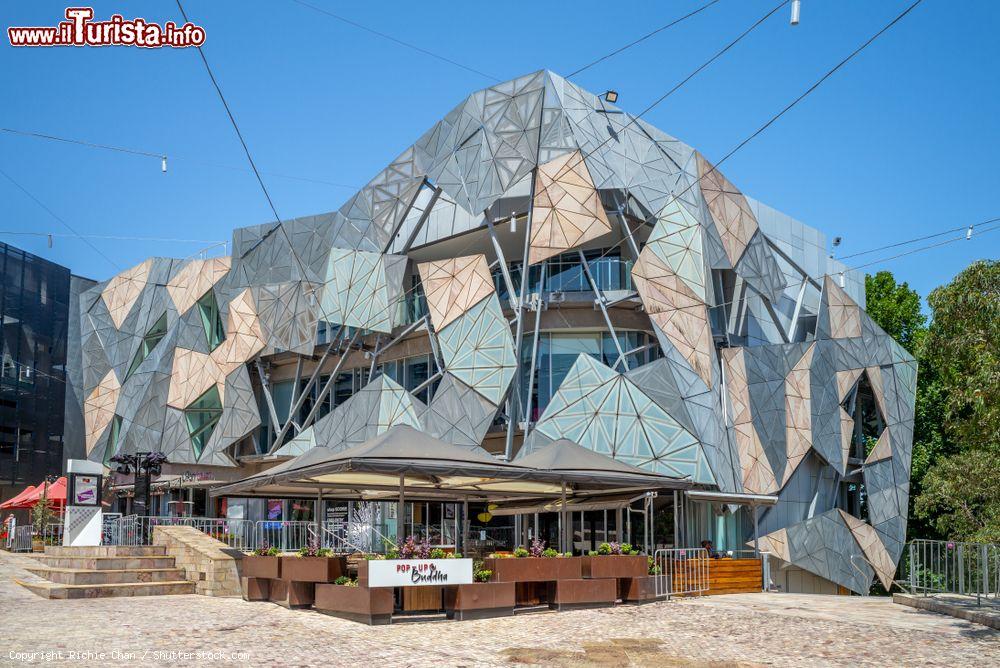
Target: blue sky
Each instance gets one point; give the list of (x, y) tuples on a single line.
[(902, 142)]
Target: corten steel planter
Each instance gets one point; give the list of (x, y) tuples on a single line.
[(313, 569), (479, 600), (590, 593), (615, 566), (291, 594), (261, 567), (256, 589), (534, 569), (637, 590), (359, 604)]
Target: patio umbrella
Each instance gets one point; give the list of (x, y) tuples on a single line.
[(14, 502), (56, 494)]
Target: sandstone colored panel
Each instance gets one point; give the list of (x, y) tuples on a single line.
[(454, 286), (882, 449), (846, 381), (758, 477), (244, 337), (729, 208), (776, 543), (798, 413), (567, 210), (676, 311), (872, 547), (99, 408), (193, 374), (194, 280), (120, 293), (845, 314), (846, 437)]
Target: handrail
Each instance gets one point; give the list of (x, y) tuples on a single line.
[(953, 567)]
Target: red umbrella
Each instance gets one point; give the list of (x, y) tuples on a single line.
[(15, 502), (56, 494)]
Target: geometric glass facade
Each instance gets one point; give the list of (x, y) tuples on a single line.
[(667, 320), (34, 311)]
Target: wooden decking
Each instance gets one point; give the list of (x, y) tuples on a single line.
[(733, 576)]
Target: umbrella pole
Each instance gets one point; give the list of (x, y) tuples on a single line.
[(401, 512), (562, 520)]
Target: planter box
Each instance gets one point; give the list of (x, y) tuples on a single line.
[(479, 600), (637, 590), (359, 604), (291, 594), (534, 569), (313, 569), (261, 567), (256, 589), (591, 593), (615, 566)]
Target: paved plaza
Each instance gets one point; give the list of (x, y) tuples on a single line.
[(735, 630)]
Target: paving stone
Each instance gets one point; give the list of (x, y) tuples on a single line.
[(734, 630)]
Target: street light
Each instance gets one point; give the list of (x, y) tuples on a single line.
[(796, 9)]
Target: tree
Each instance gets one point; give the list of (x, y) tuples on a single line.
[(963, 346), (959, 496), (896, 309)]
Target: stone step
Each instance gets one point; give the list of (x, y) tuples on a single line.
[(106, 551), (106, 563), (78, 576), (65, 591)]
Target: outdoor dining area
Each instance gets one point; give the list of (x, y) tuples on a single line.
[(33, 517), (409, 577)]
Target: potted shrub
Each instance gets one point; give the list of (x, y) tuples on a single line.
[(42, 514), (534, 564), (482, 599), (313, 564), (263, 562), (614, 560)]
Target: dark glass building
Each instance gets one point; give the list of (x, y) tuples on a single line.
[(34, 315)]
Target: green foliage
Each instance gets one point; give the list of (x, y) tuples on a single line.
[(604, 548), (43, 513), (480, 574), (955, 474), (963, 346), (438, 553), (550, 553), (520, 552), (651, 566), (342, 580), (592, 553), (896, 309), (961, 496), (626, 548)]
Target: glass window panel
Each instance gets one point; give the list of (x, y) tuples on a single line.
[(215, 332)]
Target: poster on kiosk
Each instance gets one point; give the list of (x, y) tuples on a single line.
[(84, 519)]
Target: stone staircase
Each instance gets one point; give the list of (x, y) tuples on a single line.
[(96, 572)]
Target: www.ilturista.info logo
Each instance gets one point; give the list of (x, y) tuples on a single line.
[(80, 30)]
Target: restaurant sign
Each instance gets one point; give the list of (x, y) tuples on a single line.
[(419, 572)]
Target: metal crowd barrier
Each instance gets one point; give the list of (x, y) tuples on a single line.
[(681, 571), (951, 567), (21, 540)]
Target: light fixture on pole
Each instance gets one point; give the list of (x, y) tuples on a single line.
[(796, 9), (163, 165), (842, 281), (611, 96), (513, 222), (968, 233)]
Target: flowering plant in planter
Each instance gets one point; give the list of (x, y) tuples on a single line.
[(412, 548), (314, 550), (521, 553), (613, 548), (537, 547), (653, 568), (265, 549), (345, 581)]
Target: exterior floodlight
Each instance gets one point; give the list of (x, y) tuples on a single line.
[(968, 233), (513, 223), (796, 8), (842, 280), (611, 96), (163, 165)]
